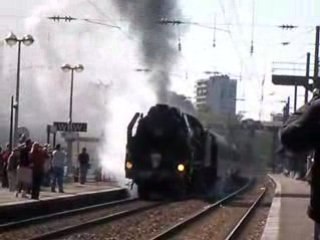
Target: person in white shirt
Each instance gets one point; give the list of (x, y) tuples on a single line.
[(58, 162)]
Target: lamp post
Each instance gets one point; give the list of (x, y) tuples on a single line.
[(69, 68), (11, 40)]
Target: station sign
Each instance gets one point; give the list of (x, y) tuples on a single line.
[(75, 126)]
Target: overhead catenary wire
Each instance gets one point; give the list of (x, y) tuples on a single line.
[(58, 18), (202, 24), (252, 28), (166, 21), (103, 14), (214, 31), (238, 53), (262, 96)]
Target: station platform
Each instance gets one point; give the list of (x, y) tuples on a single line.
[(75, 195), (288, 213), (70, 189)]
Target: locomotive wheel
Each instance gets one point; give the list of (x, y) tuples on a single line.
[(199, 182), (143, 192), (179, 190)]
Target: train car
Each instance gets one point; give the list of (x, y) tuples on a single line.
[(170, 152)]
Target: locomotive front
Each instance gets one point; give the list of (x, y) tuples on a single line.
[(158, 153)]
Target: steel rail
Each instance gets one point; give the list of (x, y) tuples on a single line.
[(234, 233), (48, 217), (170, 232), (102, 220)]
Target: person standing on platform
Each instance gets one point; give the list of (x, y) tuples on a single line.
[(83, 159), (47, 166), (37, 157), (12, 169), (301, 134), (5, 156), (58, 163), (1, 163), (24, 178)]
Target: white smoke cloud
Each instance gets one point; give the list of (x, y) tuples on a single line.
[(122, 105), (108, 56)]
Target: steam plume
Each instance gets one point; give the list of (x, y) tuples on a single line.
[(156, 41)]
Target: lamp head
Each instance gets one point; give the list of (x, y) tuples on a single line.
[(11, 39), (79, 68), (66, 67), (27, 40)]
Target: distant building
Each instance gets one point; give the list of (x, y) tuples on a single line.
[(218, 93)]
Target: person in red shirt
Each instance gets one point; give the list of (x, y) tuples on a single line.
[(37, 157)]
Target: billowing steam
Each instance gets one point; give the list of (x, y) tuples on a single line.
[(157, 43), (109, 56)]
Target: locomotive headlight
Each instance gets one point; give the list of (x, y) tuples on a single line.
[(129, 165), (180, 167)]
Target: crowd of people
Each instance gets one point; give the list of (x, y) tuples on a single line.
[(301, 136), (24, 169)]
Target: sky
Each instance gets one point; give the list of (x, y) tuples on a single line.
[(230, 56), (232, 51)]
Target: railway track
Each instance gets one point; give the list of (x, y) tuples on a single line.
[(237, 230), (47, 217), (171, 232), (150, 231), (228, 218), (139, 211), (55, 225), (74, 228)]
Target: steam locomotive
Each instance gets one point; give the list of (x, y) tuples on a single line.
[(170, 152)]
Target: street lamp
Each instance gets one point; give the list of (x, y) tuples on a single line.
[(11, 40), (68, 68)]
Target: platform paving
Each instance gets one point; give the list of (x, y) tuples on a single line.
[(75, 196), (288, 214), (70, 189)]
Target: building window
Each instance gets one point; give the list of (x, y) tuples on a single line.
[(201, 92)]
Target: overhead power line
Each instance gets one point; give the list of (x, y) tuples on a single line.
[(287, 27), (88, 20), (166, 21), (178, 22), (59, 18)]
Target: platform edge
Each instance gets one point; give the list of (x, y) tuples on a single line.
[(272, 227)]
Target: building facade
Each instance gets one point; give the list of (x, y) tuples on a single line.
[(218, 93)]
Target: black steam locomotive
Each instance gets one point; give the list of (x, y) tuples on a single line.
[(169, 151)]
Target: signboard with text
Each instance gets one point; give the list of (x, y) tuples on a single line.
[(75, 127)]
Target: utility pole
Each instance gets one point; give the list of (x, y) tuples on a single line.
[(307, 79), (316, 60), (286, 110), (295, 97), (48, 134), (11, 124), (68, 68)]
